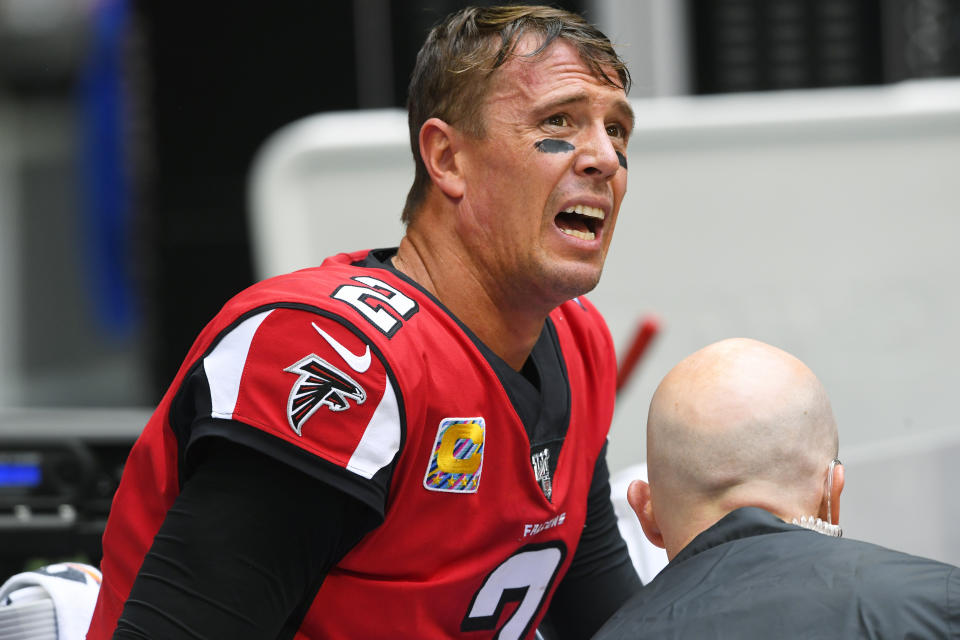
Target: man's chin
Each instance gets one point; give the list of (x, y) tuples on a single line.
[(569, 281)]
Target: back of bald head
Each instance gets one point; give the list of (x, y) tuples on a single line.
[(739, 423)]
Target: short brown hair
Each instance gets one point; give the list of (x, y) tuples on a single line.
[(453, 68)]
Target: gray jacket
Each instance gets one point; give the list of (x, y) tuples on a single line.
[(751, 575)]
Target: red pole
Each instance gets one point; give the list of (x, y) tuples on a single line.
[(648, 328)]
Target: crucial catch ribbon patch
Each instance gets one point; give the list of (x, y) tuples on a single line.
[(457, 457)]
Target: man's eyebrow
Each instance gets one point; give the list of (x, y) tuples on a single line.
[(580, 96), (623, 105)]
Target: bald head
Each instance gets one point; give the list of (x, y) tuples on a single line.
[(738, 423)]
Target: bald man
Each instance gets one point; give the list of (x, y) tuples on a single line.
[(744, 491)]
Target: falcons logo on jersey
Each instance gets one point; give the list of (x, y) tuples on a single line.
[(320, 383)]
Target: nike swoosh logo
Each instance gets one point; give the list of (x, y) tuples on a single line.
[(357, 363)]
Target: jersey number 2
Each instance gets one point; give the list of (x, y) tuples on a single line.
[(371, 299), (525, 577)]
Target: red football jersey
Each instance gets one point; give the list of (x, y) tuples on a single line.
[(356, 375)]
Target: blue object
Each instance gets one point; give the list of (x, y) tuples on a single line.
[(105, 175), (17, 474)]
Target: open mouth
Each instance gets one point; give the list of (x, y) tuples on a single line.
[(580, 221)]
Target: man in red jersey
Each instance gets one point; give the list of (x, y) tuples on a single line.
[(410, 442)]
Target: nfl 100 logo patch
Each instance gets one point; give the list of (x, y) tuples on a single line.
[(457, 457)]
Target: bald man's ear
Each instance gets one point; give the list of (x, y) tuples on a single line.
[(638, 496), (439, 143)]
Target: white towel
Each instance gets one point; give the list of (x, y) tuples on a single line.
[(72, 589)]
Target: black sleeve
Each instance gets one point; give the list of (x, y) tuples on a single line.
[(243, 550), (601, 576)]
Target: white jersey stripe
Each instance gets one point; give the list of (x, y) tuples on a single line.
[(381, 439), (225, 364)]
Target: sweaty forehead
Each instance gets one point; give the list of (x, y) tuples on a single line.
[(553, 72), (558, 62)]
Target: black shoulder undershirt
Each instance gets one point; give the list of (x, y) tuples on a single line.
[(243, 550)]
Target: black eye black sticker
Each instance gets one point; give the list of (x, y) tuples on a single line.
[(552, 145)]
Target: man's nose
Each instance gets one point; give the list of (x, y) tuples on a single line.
[(597, 155)]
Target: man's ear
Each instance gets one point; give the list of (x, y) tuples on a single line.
[(439, 143), (638, 496)]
